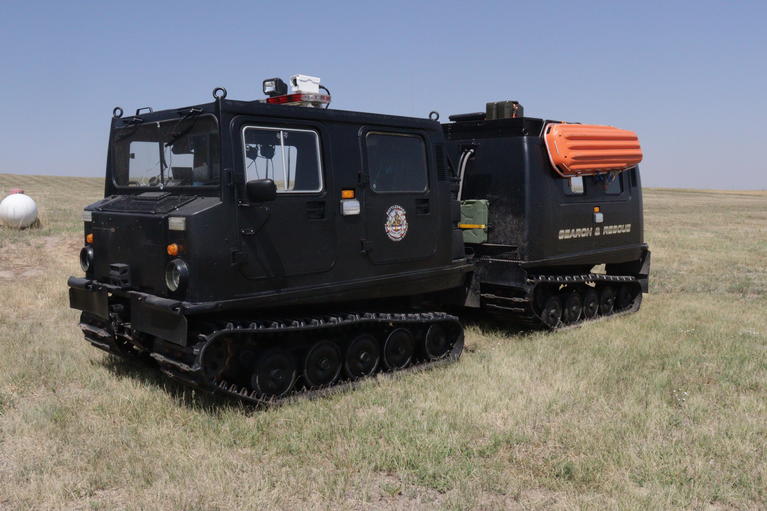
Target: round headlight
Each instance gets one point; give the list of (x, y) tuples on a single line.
[(176, 274), (86, 258)]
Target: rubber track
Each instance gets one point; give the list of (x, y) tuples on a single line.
[(194, 375), (520, 310)]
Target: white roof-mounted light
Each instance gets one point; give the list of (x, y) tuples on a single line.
[(305, 90)]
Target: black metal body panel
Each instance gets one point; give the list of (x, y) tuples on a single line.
[(533, 219)]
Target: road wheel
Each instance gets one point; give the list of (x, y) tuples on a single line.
[(606, 300), (275, 373), (322, 364), (551, 314), (573, 306), (436, 343), (362, 356), (217, 357), (398, 349), (627, 293), (590, 303)]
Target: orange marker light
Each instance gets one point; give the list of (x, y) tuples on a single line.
[(172, 249), (347, 194), (89, 238), (596, 209)]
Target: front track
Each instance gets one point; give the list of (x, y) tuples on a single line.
[(278, 359)]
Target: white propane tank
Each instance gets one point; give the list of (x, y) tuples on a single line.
[(18, 210)]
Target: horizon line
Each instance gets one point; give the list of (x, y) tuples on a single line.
[(659, 188)]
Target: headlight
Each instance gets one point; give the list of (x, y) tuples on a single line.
[(176, 275), (176, 223), (86, 258)]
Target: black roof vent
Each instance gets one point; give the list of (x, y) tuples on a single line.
[(475, 116)]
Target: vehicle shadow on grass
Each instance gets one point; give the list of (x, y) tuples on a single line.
[(146, 373), (149, 374), (495, 325)]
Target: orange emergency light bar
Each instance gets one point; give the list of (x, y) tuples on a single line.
[(587, 149)]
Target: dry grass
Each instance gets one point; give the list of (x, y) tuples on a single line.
[(663, 409)]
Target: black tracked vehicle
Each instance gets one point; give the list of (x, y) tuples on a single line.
[(260, 248)]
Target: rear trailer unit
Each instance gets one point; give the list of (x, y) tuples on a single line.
[(563, 237), (261, 249)]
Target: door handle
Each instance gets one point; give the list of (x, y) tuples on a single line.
[(315, 210), (256, 217), (422, 206)]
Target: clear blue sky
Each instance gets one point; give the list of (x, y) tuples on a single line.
[(689, 77)]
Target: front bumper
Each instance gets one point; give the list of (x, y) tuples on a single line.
[(131, 310), (166, 318)]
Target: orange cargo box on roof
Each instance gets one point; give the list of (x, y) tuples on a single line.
[(586, 149)]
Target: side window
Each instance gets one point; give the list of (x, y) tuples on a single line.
[(289, 157), (396, 162), (613, 185), (574, 186)]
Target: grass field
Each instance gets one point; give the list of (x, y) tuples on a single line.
[(666, 408)]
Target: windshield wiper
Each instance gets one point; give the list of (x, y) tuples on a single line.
[(175, 135), (163, 165), (133, 122)]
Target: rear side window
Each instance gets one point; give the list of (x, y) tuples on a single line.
[(289, 157), (396, 162), (613, 185)]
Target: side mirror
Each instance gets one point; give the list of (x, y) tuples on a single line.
[(261, 190)]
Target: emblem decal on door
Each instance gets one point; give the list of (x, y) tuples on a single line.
[(396, 223)]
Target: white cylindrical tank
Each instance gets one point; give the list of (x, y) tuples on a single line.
[(18, 211)]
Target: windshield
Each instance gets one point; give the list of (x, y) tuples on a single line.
[(177, 152)]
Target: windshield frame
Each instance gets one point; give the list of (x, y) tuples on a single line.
[(176, 116)]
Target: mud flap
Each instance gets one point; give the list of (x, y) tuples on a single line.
[(88, 300), (644, 272), (639, 268), (158, 321)]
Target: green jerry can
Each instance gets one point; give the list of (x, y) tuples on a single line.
[(474, 214)]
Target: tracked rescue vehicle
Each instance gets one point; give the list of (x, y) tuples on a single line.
[(263, 248)]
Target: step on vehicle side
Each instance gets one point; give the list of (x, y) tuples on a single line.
[(265, 248)]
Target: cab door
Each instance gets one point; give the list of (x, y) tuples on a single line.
[(401, 219), (292, 235)]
